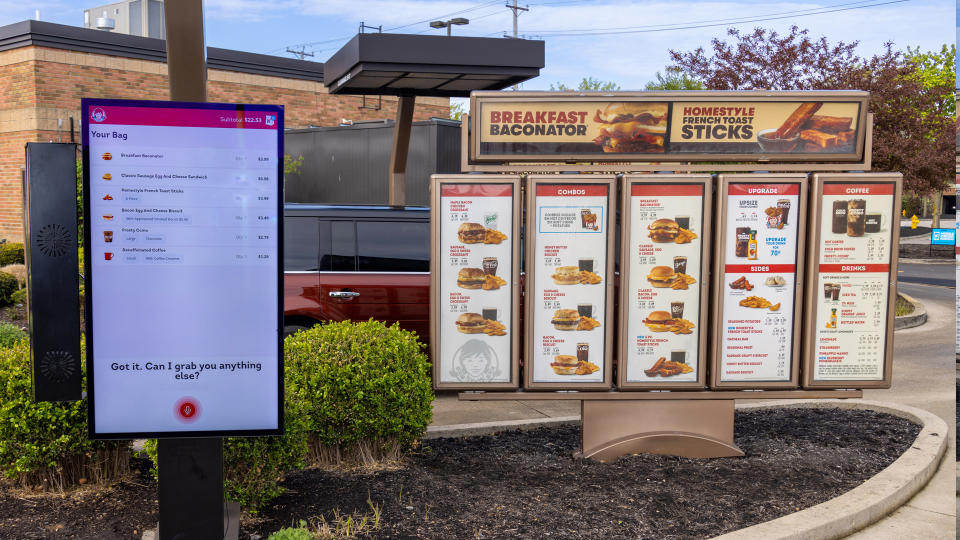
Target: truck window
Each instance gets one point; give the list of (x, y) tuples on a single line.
[(393, 246), (343, 248), (301, 244)]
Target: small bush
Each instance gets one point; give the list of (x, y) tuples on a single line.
[(11, 253), (10, 335), (254, 466), (19, 296), (365, 388), (18, 271), (45, 445), (8, 285), (289, 533)]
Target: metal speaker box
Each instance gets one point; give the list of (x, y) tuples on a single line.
[(50, 229)]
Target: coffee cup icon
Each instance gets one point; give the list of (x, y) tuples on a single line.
[(108, 256)]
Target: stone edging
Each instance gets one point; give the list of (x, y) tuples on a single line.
[(918, 317), (874, 499)]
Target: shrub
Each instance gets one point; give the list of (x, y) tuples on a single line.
[(19, 296), (44, 444), (18, 271), (10, 335), (11, 253), (289, 533), (365, 388), (8, 285), (254, 466)]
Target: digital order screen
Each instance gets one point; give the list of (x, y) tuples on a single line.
[(183, 208)]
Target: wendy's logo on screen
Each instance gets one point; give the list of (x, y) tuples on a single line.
[(271, 119), (98, 115)]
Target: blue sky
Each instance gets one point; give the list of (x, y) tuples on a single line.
[(647, 29)]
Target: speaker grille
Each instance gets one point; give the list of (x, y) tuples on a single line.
[(53, 240), (57, 365)]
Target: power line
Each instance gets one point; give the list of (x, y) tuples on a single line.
[(478, 6), (692, 25)]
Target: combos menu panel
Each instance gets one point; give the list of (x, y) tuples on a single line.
[(758, 280), (476, 239), (183, 247), (853, 282)]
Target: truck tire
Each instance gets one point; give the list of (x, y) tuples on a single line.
[(290, 329)]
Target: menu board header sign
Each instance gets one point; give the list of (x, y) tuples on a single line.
[(184, 207), (665, 126)]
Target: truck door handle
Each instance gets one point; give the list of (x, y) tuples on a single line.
[(344, 294)]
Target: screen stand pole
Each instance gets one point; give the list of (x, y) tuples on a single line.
[(190, 470)]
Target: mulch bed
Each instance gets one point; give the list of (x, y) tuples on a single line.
[(527, 485), (15, 315)]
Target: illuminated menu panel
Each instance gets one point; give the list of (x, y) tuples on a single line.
[(184, 208)]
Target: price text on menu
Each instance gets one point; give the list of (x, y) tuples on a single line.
[(758, 282), (663, 314), (476, 313), (569, 300), (853, 285), (183, 242)]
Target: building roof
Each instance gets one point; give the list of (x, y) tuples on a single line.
[(75, 38)]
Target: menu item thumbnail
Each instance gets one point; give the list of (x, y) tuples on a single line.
[(475, 323), (572, 319), (492, 283), (471, 278), (107, 176), (667, 368), (741, 283), (760, 303), (664, 321), (664, 230), (564, 364), (566, 275), (775, 281), (494, 237), (107, 156), (475, 233), (661, 276), (632, 127)]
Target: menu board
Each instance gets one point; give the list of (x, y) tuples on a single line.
[(706, 126), (662, 272), (568, 311), (183, 268), (757, 279), (475, 281), (850, 312)]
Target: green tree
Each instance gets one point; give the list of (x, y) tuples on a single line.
[(588, 84), (674, 79), (936, 70), (457, 110)]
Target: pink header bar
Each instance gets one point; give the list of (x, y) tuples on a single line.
[(163, 116)]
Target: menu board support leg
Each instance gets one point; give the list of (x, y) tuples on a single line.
[(191, 488), (675, 427)]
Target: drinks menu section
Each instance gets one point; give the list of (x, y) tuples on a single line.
[(664, 287), (184, 224), (476, 242), (853, 275), (570, 269), (758, 281)]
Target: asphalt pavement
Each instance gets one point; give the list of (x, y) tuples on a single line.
[(941, 274)]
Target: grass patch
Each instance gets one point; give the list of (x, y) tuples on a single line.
[(903, 307)]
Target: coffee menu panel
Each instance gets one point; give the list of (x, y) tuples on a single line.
[(476, 284), (851, 291), (568, 297), (663, 275), (758, 280)]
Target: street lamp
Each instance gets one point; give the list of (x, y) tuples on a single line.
[(449, 24)]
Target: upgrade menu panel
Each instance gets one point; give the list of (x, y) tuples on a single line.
[(182, 249)]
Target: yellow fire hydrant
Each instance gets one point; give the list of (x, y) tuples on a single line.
[(914, 221)]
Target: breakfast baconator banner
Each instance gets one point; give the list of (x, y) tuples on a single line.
[(656, 126), (568, 310)]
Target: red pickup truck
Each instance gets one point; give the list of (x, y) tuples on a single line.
[(357, 262)]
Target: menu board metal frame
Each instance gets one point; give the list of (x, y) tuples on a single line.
[(436, 327), (706, 181), (719, 263), (815, 160), (86, 106), (811, 296), (530, 313)]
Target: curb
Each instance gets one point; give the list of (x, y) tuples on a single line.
[(917, 318), (491, 428), (944, 260), (874, 499)]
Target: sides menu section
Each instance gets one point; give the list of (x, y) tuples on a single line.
[(568, 298), (664, 283), (758, 280), (852, 288), (475, 304)]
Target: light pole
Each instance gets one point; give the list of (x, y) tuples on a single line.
[(449, 24)]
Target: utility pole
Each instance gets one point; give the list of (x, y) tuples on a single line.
[(301, 53), (516, 13)]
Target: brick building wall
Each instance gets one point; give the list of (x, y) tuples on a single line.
[(38, 85)]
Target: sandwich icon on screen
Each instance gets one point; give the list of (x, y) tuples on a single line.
[(107, 156), (108, 176), (108, 197), (108, 217)]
